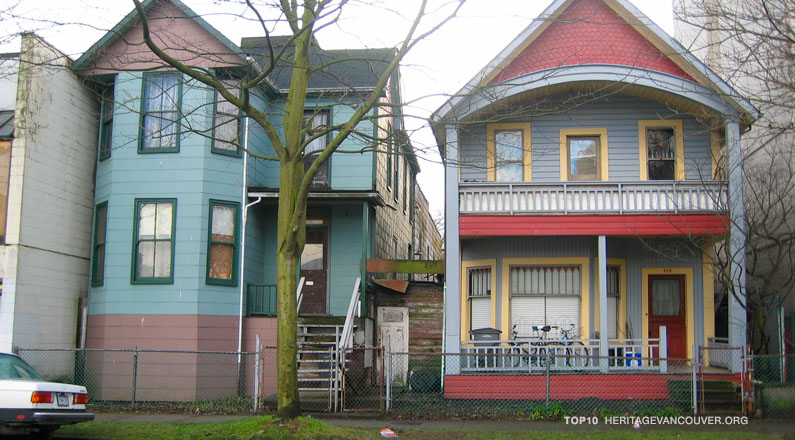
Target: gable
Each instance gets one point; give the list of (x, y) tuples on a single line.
[(588, 32), (180, 35)]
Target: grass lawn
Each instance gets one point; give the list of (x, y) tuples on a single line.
[(269, 427)]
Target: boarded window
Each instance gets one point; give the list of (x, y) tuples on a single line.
[(223, 243)]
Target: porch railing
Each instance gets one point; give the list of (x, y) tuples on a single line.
[(529, 355), (261, 299), (720, 353), (592, 197)]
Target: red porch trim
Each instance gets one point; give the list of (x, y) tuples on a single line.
[(566, 386), (593, 224)]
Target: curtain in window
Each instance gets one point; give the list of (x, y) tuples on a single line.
[(161, 111)]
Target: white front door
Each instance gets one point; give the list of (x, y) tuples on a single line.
[(393, 333)]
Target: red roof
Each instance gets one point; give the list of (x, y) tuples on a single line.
[(589, 32)]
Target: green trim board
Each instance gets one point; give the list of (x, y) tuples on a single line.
[(155, 240), (98, 247), (234, 243), (160, 114)]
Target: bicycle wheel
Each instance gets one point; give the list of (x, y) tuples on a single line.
[(550, 351), (577, 355)]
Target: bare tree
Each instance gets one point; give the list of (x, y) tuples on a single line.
[(304, 19), (752, 45)]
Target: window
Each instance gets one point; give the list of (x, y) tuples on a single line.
[(397, 172), (317, 122), (106, 123), (412, 207), (226, 126), (406, 182), (160, 113), (222, 243), (153, 253), (613, 295), (479, 297), (545, 295), (583, 153), (719, 156), (5, 169), (661, 150), (390, 141), (508, 152), (98, 253)]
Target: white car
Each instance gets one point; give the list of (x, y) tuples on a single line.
[(30, 405)]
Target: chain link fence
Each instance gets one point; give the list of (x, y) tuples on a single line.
[(774, 386), (201, 380), (542, 391)]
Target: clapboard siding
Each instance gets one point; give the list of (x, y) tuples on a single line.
[(192, 176), (619, 114)]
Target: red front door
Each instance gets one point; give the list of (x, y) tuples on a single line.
[(667, 308)]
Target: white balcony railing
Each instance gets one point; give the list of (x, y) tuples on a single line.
[(528, 355), (592, 197)]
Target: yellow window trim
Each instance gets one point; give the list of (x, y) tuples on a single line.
[(622, 296), (689, 302), (718, 160), (601, 133), (491, 155), (465, 266), (585, 285), (676, 124)]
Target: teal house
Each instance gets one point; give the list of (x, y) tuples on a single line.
[(183, 250)]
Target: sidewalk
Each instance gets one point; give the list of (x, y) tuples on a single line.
[(763, 426)]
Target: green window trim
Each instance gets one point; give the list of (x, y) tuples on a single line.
[(397, 175), (106, 123), (149, 117), (219, 244), (406, 182), (227, 117), (99, 246), (135, 278)]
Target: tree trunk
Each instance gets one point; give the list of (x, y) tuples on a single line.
[(290, 243)]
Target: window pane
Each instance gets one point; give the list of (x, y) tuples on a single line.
[(221, 258), (660, 143), (662, 169), (665, 297), (583, 158), (146, 221), (162, 259), (226, 132), (146, 259), (317, 122), (509, 152), (100, 266), (102, 214), (223, 227), (164, 220), (312, 257), (480, 281)]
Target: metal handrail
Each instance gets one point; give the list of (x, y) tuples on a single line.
[(299, 293)]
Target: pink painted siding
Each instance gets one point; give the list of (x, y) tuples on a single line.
[(589, 32), (266, 328), (180, 36), (162, 332)]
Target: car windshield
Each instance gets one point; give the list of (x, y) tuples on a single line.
[(12, 367)]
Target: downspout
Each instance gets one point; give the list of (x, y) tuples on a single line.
[(244, 217)]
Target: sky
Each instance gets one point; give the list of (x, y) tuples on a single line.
[(440, 65)]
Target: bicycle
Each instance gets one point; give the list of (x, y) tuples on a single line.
[(526, 352), (568, 342)]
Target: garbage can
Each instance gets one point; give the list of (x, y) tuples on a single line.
[(483, 338), (485, 334)]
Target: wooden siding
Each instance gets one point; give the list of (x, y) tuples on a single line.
[(345, 256), (192, 176), (425, 302), (639, 253), (618, 113), (599, 224)]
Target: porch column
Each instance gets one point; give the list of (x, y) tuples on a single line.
[(737, 298), (602, 289), (452, 261)]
